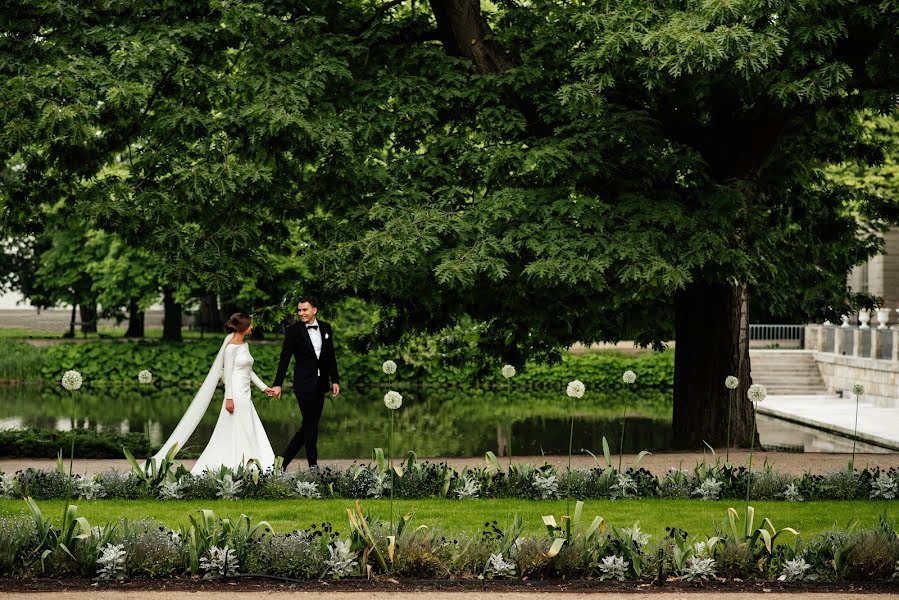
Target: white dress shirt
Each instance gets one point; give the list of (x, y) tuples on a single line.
[(316, 336)]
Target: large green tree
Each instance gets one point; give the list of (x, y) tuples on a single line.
[(614, 170), (556, 172)]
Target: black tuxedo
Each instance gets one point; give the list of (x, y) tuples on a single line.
[(312, 378)]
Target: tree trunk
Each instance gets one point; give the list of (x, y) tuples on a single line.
[(88, 314), (171, 321), (464, 32), (135, 320), (209, 318), (71, 332), (711, 342)]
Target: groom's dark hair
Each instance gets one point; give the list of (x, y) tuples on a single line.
[(310, 299)]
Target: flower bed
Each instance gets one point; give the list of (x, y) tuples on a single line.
[(743, 547), (413, 479)]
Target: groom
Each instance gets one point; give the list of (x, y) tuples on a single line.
[(311, 343)]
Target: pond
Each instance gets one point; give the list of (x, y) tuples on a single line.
[(433, 421)]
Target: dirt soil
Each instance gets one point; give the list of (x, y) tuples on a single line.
[(785, 462)]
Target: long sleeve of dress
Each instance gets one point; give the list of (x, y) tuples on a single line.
[(257, 382), (228, 373)]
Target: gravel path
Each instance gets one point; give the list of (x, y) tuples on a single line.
[(786, 462)]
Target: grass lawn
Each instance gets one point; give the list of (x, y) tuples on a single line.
[(453, 516)]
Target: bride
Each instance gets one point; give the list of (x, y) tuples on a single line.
[(239, 435)]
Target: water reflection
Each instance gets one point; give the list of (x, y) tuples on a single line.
[(432, 422)]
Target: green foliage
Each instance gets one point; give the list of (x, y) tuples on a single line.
[(46, 443), (70, 546), (20, 361), (104, 362)]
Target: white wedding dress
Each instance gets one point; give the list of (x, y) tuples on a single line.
[(238, 436)]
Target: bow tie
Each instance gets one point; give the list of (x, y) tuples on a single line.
[(311, 326)]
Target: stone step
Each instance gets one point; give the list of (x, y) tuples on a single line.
[(785, 373)]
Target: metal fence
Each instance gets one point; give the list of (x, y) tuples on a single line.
[(763, 335)]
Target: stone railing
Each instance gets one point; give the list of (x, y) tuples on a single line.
[(848, 355), (880, 343)]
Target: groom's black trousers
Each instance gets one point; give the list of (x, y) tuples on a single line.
[(311, 406)]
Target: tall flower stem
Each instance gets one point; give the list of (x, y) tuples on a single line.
[(621, 442), (854, 436), (72, 451), (730, 402), (390, 467), (570, 445), (749, 475), (509, 397)]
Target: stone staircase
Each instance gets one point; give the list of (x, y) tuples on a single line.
[(787, 372)]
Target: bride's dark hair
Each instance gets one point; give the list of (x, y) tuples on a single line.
[(238, 322)]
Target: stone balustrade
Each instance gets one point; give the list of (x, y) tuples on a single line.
[(848, 355)]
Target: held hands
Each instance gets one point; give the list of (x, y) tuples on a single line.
[(229, 405), (335, 389), (273, 392)]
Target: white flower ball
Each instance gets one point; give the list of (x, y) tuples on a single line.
[(858, 389), (389, 367), (393, 400), (629, 377), (757, 392), (576, 389), (145, 377), (508, 371), (731, 382), (71, 380)]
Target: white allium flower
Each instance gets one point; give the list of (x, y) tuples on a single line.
[(468, 489), (883, 487), (508, 371), (613, 567), (709, 489), (858, 389), (307, 489), (731, 382), (791, 494), (576, 389), (500, 567), (89, 488), (624, 486), (796, 570), (112, 562), (634, 533), (757, 392), (389, 367), (393, 400), (342, 560), (702, 568), (145, 377), (546, 485), (228, 487), (172, 490), (72, 381), (219, 562), (629, 377)]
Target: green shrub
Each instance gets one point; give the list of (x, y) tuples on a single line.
[(46, 443), (21, 361), (182, 363)]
